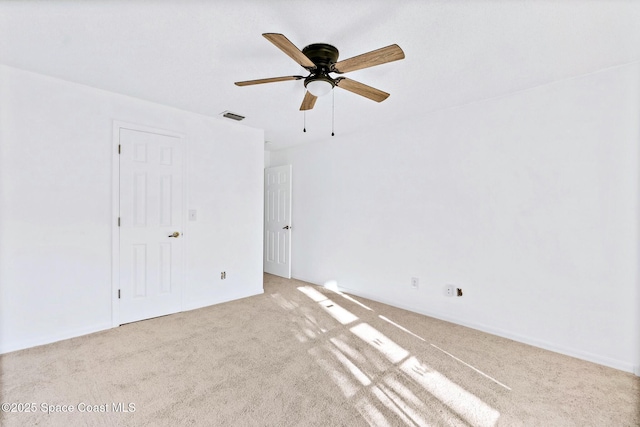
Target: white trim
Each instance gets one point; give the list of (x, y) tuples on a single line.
[(48, 339), (115, 209), (115, 232), (120, 124), (273, 267), (194, 305), (567, 351)]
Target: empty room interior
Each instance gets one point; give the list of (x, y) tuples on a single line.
[(320, 213)]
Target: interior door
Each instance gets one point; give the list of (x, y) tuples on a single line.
[(151, 216), (277, 222)]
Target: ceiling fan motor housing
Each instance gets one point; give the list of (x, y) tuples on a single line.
[(322, 54)]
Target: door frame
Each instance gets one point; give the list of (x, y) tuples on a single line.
[(290, 220), (115, 209)]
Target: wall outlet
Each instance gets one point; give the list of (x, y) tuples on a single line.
[(415, 283), (449, 290)]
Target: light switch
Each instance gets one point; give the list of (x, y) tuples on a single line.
[(193, 215)]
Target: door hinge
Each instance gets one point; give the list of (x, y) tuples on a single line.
[(119, 148), (118, 221), (118, 293)]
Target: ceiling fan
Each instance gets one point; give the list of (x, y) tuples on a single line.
[(321, 59)]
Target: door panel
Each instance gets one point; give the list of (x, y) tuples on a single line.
[(150, 212), (277, 239)]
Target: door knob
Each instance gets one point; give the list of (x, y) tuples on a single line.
[(286, 227), (174, 234)]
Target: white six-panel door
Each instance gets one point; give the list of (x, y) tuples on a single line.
[(151, 204), (277, 222)]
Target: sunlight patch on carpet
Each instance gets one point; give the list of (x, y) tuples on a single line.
[(368, 359), (401, 327), (370, 413), (397, 409), (475, 369), (336, 311), (348, 350), (342, 315), (346, 385), (379, 341), (332, 285), (350, 366), (406, 399), (352, 369), (465, 404), (312, 293)]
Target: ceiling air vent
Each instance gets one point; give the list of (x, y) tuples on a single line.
[(232, 116)]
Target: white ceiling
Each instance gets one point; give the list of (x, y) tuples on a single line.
[(188, 54)]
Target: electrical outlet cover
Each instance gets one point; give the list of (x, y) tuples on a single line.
[(449, 290)]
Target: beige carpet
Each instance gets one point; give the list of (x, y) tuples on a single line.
[(301, 355)]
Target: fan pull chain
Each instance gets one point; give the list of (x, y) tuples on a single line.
[(333, 110), (304, 127)]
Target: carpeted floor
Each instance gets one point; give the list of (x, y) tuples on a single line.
[(302, 355)]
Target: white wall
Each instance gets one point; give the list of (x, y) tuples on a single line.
[(56, 206), (267, 158), (527, 202)]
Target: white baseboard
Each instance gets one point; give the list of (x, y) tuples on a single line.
[(567, 351), (48, 339), (194, 305)]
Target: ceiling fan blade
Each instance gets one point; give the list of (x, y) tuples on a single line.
[(376, 57), (290, 49), (308, 102), (361, 89), (270, 80)]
